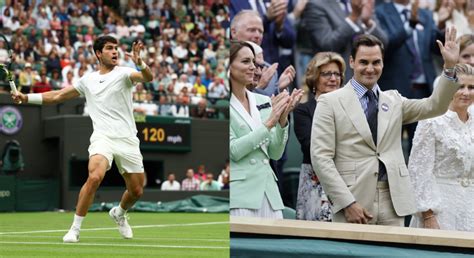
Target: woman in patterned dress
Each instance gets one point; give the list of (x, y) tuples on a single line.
[(325, 73)]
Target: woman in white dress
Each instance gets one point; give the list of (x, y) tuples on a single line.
[(442, 163)]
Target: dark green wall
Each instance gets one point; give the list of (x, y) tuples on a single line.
[(53, 135)]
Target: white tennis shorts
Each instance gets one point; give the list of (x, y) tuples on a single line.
[(125, 151)]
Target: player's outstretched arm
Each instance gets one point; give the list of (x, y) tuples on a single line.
[(50, 97), (145, 74)]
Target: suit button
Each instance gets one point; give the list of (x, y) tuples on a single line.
[(378, 154), (265, 161), (253, 162)]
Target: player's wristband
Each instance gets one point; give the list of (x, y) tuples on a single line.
[(35, 98), (142, 67)]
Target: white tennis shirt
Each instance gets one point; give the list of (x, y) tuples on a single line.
[(109, 101)]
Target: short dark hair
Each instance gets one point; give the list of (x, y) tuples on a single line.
[(101, 41), (368, 41)]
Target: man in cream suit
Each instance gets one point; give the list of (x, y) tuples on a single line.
[(356, 137)]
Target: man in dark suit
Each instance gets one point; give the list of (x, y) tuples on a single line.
[(278, 36), (247, 25), (331, 25), (412, 36)]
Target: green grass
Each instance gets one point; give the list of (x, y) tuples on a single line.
[(155, 235)]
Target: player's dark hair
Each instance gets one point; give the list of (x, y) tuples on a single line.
[(366, 40), (101, 41)]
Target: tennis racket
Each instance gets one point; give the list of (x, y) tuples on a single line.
[(7, 66)]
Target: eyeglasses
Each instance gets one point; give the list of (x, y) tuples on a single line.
[(260, 66), (328, 75)]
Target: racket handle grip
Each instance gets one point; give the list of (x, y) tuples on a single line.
[(13, 87)]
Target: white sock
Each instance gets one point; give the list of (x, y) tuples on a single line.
[(77, 221), (120, 210)]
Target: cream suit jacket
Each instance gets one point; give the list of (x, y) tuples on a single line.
[(344, 156), (252, 146)]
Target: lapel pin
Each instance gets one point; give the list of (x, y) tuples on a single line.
[(384, 107)]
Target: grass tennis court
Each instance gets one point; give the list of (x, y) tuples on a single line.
[(39, 234)]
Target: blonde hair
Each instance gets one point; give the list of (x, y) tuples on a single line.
[(313, 70), (465, 41), (464, 69)]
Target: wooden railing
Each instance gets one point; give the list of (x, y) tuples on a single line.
[(357, 232)]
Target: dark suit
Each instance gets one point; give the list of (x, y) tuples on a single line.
[(323, 23), (398, 56), (272, 39), (303, 120)]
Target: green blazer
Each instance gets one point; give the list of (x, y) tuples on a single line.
[(251, 148)]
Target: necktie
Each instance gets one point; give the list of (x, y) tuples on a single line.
[(346, 6), (405, 13), (372, 111), (260, 9), (417, 66)]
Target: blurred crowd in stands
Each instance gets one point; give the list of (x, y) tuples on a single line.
[(202, 180), (186, 48)]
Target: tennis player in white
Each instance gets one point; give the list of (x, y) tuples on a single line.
[(108, 93)]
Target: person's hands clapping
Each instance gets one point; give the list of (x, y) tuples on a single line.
[(367, 12), (445, 12), (276, 8), (356, 6), (295, 99), (279, 104), (299, 8), (267, 74), (414, 14), (286, 77), (277, 12)]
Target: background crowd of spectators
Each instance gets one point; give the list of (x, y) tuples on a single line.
[(186, 48), (201, 180)]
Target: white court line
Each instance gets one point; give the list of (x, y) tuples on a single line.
[(134, 238), (121, 245), (115, 228)]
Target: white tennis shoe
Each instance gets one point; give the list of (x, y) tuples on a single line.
[(122, 222), (72, 236)]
